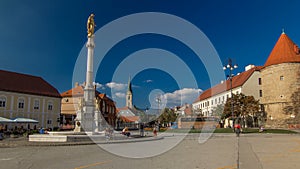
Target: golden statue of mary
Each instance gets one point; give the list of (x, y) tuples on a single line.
[(90, 25)]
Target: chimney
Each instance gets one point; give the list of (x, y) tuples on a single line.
[(76, 84), (296, 49)]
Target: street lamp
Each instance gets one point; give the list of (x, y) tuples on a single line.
[(231, 67), (158, 100)]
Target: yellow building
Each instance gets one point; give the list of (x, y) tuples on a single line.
[(27, 96), (73, 97)]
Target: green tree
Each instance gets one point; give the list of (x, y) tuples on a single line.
[(293, 108), (244, 107), (168, 115), (218, 111)]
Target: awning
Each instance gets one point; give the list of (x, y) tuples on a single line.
[(5, 120), (24, 120)]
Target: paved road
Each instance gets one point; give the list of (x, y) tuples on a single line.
[(222, 151)]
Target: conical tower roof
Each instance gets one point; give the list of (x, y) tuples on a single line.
[(284, 51)]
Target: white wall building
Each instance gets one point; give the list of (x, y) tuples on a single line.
[(248, 83)]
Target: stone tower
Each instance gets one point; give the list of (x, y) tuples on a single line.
[(280, 79), (129, 95)]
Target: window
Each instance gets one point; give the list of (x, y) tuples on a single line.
[(50, 106), (212, 102), (260, 93), (2, 101), (112, 110), (21, 104), (281, 77), (103, 106), (259, 81), (49, 121), (36, 105)]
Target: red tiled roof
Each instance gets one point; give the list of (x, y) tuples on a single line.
[(27, 84), (237, 81), (107, 99), (123, 108), (102, 95), (284, 51), (130, 118), (76, 91)]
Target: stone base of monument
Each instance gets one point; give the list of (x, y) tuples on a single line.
[(69, 136), (56, 137)]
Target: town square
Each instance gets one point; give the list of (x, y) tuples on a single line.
[(148, 85)]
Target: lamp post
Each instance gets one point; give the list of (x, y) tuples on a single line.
[(231, 67), (158, 100)]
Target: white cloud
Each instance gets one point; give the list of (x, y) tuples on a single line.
[(120, 95), (116, 86), (98, 85), (148, 81), (179, 97)]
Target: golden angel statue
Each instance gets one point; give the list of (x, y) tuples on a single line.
[(90, 25)]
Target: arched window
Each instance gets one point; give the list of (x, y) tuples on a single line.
[(21, 103), (50, 105), (2, 101)]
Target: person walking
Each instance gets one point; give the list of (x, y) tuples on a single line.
[(154, 131), (237, 129)]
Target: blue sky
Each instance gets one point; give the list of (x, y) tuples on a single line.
[(45, 38)]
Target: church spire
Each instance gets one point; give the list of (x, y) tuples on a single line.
[(129, 94), (129, 89)]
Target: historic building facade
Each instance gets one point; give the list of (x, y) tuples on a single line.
[(247, 82), (272, 84), (280, 79), (128, 115), (72, 100), (27, 96)]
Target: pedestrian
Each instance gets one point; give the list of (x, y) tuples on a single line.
[(261, 128), (1, 132), (142, 130), (154, 131), (126, 132), (237, 129)]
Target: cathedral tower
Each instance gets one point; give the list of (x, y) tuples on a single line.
[(129, 95)]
